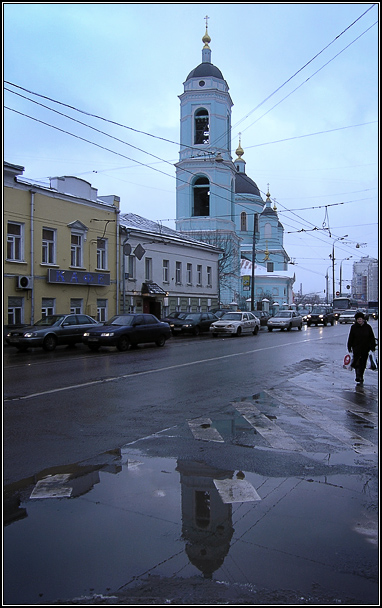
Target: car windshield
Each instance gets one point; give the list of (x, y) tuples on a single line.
[(232, 316), (194, 316), (50, 320), (285, 314), (318, 310), (121, 320)]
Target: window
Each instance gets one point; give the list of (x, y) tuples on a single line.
[(15, 242), (202, 127), (47, 307), (101, 310), (131, 266), (15, 311), (269, 266), (102, 262), (199, 274), (201, 197), (48, 253), (209, 276), (76, 250), (165, 271), (148, 269), (76, 305), (178, 273), (267, 230), (189, 274), (243, 221)]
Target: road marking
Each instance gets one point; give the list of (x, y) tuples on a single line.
[(270, 431), (356, 442), (236, 490), (203, 430)]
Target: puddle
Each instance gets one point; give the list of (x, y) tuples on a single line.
[(95, 529)]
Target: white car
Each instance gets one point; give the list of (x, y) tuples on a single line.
[(285, 319), (236, 324), (347, 316)]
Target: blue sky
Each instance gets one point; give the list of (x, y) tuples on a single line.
[(303, 79)]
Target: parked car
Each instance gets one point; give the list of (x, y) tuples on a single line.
[(128, 330), (51, 331), (193, 322), (320, 315), (285, 319), (262, 316), (219, 312), (236, 324), (172, 315)]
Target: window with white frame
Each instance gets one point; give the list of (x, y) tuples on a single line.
[(189, 274), (101, 310), (243, 221), (76, 305), (15, 241), (48, 246), (102, 262), (15, 311), (165, 271), (131, 266), (178, 273), (148, 269), (76, 244), (48, 306), (209, 276), (199, 274)]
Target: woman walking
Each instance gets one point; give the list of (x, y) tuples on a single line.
[(361, 340)]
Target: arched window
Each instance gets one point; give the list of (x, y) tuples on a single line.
[(202, 127), (267, 230), (201, 197), (243, 221)]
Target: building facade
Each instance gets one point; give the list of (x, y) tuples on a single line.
[(163, 271), (61, 244), (215, 200), (365, 281)]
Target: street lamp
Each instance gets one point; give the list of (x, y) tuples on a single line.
[(341, 272), (340, 238), (327, 284)]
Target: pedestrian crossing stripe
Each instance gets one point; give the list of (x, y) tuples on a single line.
[(203, 430)]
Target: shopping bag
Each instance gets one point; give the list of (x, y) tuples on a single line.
[(372, 362), (347, 361)]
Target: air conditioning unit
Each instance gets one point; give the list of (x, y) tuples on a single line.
[(24, 282)]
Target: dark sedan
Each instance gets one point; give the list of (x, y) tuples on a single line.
[(128, 330), (51, 331), (262, 316), (193, 323)]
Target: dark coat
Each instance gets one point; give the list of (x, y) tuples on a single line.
[(361, 339)]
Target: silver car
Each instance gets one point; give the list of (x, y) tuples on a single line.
[(236, 324), (285, 319), (51, 331)]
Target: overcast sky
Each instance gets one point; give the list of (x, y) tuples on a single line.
[(303, 79)]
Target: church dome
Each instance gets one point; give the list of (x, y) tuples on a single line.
[(205, 70), (245, 185)]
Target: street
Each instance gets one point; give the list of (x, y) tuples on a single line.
[(247, 461)]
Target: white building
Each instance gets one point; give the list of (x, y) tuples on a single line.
[(365, 279)]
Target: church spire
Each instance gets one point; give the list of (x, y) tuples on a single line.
[(206, 51)]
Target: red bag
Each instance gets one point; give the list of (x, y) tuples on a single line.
[(347, 361)]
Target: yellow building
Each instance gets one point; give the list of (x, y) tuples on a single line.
[(60, 249)]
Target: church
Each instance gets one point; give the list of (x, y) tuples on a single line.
[(218, 203)]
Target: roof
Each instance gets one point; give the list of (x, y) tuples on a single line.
[(204, 70), (245, 185)]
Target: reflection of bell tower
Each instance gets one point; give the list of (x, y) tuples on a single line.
[(206, 520)]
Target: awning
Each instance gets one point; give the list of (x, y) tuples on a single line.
[(152, 289)]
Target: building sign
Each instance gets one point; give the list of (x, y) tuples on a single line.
[(246, 283), (78, 277)]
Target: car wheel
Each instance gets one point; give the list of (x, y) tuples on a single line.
[(214, 335), (161, 341), (299, 327), (93, 347), (238, 332), (123, 344), (270, 328), (49, 343), (289, 327), (325, 323), (332, 323), (309, 324), (256, 330), (196, 331)]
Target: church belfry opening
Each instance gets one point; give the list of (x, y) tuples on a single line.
[(201, 192), (202, 127)]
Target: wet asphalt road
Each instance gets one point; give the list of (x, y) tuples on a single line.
[(277, 408)]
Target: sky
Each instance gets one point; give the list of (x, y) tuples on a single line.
[(303, 79)]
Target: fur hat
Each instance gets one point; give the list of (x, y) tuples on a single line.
[(359, 315)]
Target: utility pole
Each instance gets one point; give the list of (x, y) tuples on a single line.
[(255, 231)]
